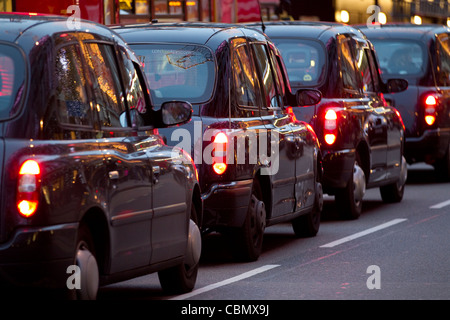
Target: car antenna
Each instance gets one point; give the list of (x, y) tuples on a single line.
[(261, 17)]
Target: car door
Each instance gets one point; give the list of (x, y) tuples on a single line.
[(283, 143), (128, 176), (304, 152), (168, 232), (394, 125), (375, 121), (377, 118)]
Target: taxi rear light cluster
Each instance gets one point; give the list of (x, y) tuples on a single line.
[(28, 188), (220, 153), (431, 103), (330, 126)]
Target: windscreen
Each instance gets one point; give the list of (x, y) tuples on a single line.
[(12, 75), (400, 57), (178, 72), (304, 60)]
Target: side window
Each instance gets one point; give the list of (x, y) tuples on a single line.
[(134, 93), (71, 98), (443, 50), (349, 80), (363, 70), (279, 79), (106, 84), (243, 74), (267, 76), (374, 69)]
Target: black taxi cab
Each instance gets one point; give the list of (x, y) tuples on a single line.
[(89, 193), (361, 137), (257, 165), (420, 54)]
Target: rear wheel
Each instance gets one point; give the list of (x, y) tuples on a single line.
[(442, 167), (248, 239), (308, 225), (182, 278), (84, 285), (394, 192), (349, 199)]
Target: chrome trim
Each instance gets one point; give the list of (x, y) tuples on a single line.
[(127, 217), (170, 209), (231, 185)]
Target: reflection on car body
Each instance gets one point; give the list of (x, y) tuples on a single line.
[(361, 137), (257, 165), (86, 181)]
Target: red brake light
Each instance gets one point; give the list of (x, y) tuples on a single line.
[(330, 138), (220, 153), (330, 126), (30, 167), (28, 188), (221, 138), (431, 103), (430, 120), (430, 100)]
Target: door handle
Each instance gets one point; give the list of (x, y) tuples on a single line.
[(299, 144), (114, 175), (156, 171)]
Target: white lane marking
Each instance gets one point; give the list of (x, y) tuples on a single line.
[(225, 282), (362, 233), (441, 205)]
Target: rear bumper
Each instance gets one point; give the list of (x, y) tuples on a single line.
[(431, 146), (38, 256), (226, 204)]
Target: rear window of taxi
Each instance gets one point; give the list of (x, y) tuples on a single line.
[(178, 71), (304, 60), (12, 80), (400, 58)]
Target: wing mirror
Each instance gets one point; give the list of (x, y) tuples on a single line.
[(175, 112), (396, 85), (308, 97), (171, 113)]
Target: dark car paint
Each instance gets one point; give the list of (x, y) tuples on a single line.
[(423, 143), (367, 126), (124, 183), (287, 194)]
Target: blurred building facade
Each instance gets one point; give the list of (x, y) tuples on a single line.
[(415, 11), (230, 11), (354, 11)]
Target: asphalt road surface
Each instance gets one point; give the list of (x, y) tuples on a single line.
[(392, 252)]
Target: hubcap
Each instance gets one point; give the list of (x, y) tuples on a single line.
[(258, 218), (89, 278), (403, 174), (194, 245), (319, 195), (359, 183)]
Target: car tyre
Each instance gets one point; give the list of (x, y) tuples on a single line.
[(393, 193), (182, 278), (248, 239), (308, 225), (349, 199), (442, 167), (86, 261)]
